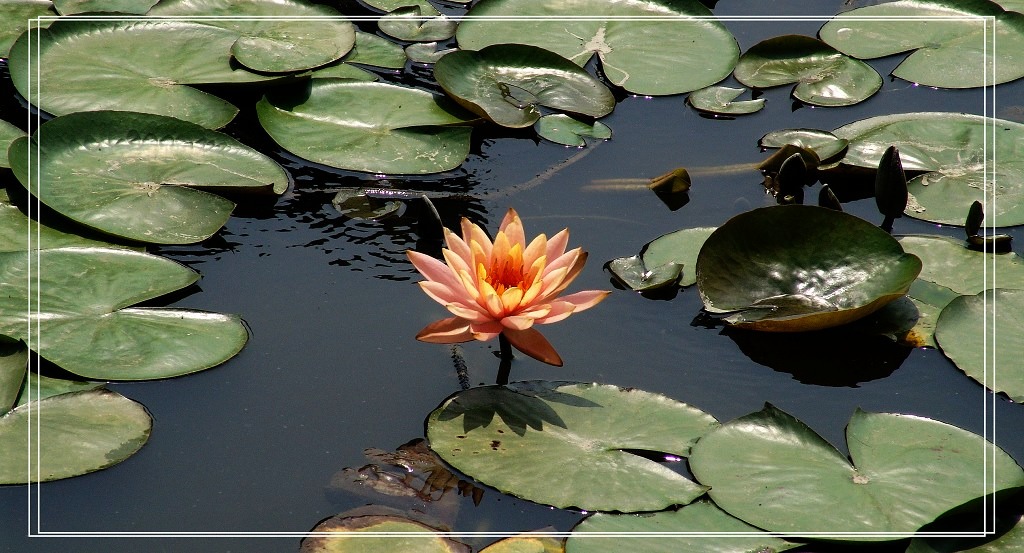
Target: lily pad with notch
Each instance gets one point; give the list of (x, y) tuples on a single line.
[(950, 154), (823, 75), (518, 437), (139, 65), (657, 47), (980, 334), (274, 36), (952, 43), (772, 471), (698, 519), (666, 260), (569, 131), (134, 175), (371, 127), (719, 100), (507, 82), (79, 310), (799, 267)]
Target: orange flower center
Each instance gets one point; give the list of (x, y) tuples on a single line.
[(505, 272)]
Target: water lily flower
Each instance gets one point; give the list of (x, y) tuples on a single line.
[(504, 287)]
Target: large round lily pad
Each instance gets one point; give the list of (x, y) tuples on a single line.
[(955, 150), (950, 264), (823, 75), (289, 35), (826, 145), (131, 174), (953, 43), (506, 82), (772, 471), (13, 17), (695, 527), (73, 433), (79, 302), (372, 127), (144, 66), (981, 335), (568, 444), (797, 267), (656, 47)]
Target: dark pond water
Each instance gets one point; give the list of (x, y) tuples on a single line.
[(332, 367)]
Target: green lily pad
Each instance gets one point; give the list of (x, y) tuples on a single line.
[(569, 131), (13, 367), (1005, 540), (639, 49), (426, 52), (948, 263), (341, 534), (143, 66), (8, 133), (73, 434), (826, 145), (823, 75), (795, 268), (772, 471), (965, 50), (38, 387), (981, 335), (526, 544), (131, 174), (79, 302), (15, 229), (376, 51), (506, 82), (699, 517), (719, 100), (128, 7), (410, 23), (954, 150), (14, 15), (668, 259), (517, 438), (372, 127), (289, 36), (387, 6)]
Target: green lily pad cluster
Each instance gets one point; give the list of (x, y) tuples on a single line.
[(766, 471)]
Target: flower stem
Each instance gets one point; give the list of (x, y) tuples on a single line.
[(505, 354)]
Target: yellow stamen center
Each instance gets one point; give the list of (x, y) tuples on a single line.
[(505, 272)]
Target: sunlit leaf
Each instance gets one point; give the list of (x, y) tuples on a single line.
[(132, 7), (372, 127), (826, 145), (699, 517), (975, 45), (426, 52), (80, 297), (13, 17), (948, 263), (289, 35), (823, 75), (38, 387), (796, 268), (668, 259), (132, 174), (981, 335), (73, 434), (1008, 537), (412, 24), (341, 535), (568, 131), (526, 544), (641, 53), (517, 438), (719, 100), (507, 82), (8, 133), (142, 66), (772, 471), (954, 150)]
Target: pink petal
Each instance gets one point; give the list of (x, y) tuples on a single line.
[(534, 344), (517, 322), (512, 227), (486, 331), (557, 244), (458, 246), (441, 293), (434, 269), (446, 331), (472, 233), (559, 311), (537, 249), (586, 299)]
